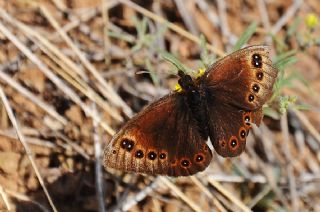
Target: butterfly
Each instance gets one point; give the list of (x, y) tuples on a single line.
[(169, 136)]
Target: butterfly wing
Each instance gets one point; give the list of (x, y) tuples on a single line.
[(229, 127), (162, 139), (244, 78), (237, 86)]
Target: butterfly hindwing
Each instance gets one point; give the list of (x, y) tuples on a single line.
[(229, 127), (163, 139)]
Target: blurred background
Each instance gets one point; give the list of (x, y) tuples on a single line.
[(73, 72)]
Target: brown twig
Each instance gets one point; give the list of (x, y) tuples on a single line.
[(287, 16), (208, 194), (305, 121), (180, 194), (129, 203), (5, 198), (106, 40), (224, 26), (60, 84), (187, 18), (108, 90), (47, 108), (265, 20), (286, 150), (26, 198), (25, 145), (259, 196), (98, 165), (228, 194), (171, 26)]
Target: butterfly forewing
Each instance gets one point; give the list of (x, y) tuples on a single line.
[(244, 78), (162, 139)]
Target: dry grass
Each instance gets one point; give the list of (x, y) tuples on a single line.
[(74, 71)]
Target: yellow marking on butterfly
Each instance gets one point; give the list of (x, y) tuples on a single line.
[(178, 88), (201, 72)]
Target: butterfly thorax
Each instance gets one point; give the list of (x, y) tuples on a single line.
[(195, 100)]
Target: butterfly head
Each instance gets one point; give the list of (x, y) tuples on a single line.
[(186, 82)]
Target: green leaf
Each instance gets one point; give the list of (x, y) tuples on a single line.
[(303, 107), (120, 36), (143, 39), (246, 35), (285, 58), (172, 59), (206, 58), (280, 45), (268, 111), (293, 27), (286, 102), (204, 51)]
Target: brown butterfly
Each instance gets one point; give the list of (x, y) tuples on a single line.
[(169, 136)]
